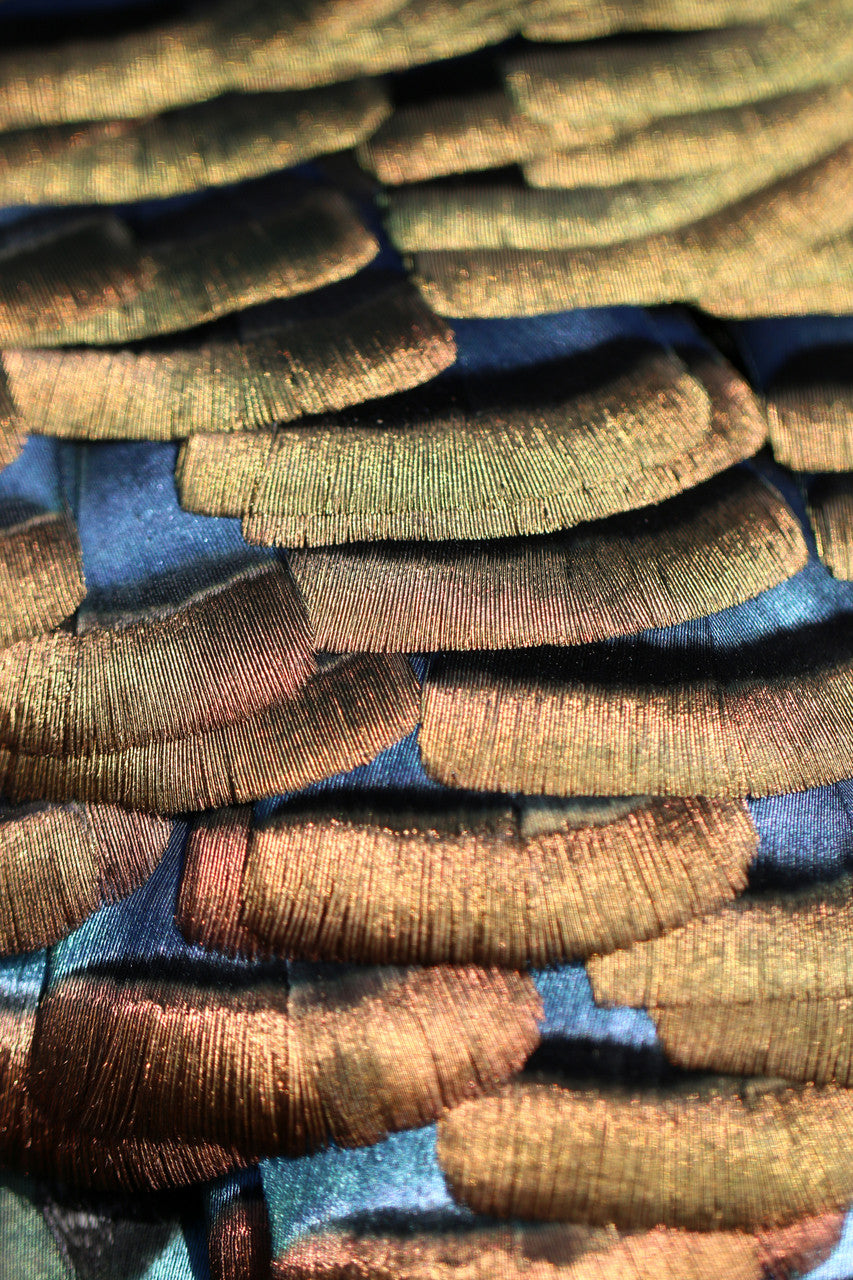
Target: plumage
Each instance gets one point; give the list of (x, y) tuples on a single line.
[(575, 20), (345, 1056), (555, 455), (625, 720), (693, 261), (239, 1245), (718, 1153), (41, 571), (713, 547), (762, 989), (58, 864), (342, 717), (95, 281), (810, 409), (222, 655), (635, 81), (228, 139), (374, 341), (831, 514), (782, 133), (478, 883), (560, 1252)]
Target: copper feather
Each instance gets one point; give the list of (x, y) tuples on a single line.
[(831, 514), (342, 717), (381, 341), (100, 284), (41, 572), (58, 864), (230, 139), (476, 883), (709, 1155), (556, 455), (810, 410), (695, 554), (560, 1252), (346, 1056)]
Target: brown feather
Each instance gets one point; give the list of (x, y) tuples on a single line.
[(637, 81), (59, 864), (344, 716), (810, 410), (562, 1252), (577, 20), (239, 1243), (718, 1154), (783, 133), (225, 140), (624, 721), (210, 896), (831, 514), (707, 257), (227, 653), (46, 1147), (248, 47), (405, 884), (388, 341), (762, 988), (41, 574), (96, 284), (347, 1056), (605, 432), (693, 555)]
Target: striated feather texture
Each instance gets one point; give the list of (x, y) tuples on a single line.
[(717, 1154), (41, 572), (474, 883), (557, 454), (713, 547), (385, 340), (343, 1056), (58, 864), (831, 514), (342, 717), (96, 282)]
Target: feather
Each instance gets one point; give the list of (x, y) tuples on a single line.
[(439, 218), (11, 428), (402, 883), (761, 989), (49, 1148), (225, 654), (561, 1252), (95, 282), (624, 720), (708, 256), (717, 1154), (711, 548), (576, 20), (226, 140), (383, 341), (345, 715), (831, 514), (59, 864), (345, 1056), (453, 135), (556, 455), (239, 1244), (209, 908), (41, 571), (810, 410), (794, 944), (782, 133), (815, 279), (633, 81), (255, 45)]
